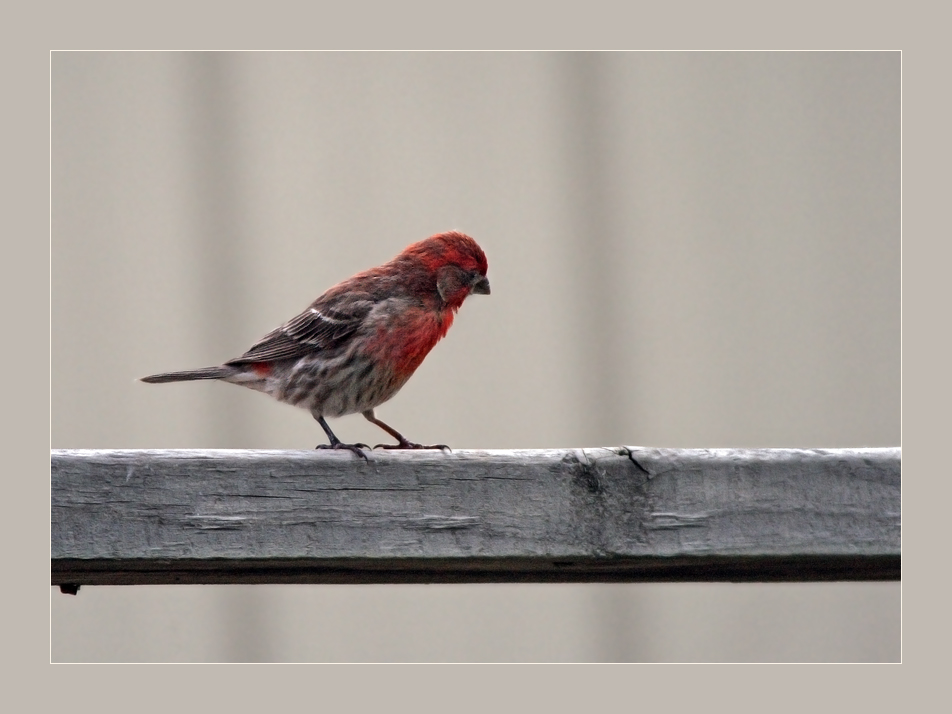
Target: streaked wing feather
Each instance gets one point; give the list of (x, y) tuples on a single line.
[(320, 327)]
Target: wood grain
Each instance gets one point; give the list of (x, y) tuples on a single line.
[(565, 515)]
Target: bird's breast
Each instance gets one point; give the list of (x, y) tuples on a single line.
[(404, 340)]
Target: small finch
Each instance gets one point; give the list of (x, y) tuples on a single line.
[(359, 343)]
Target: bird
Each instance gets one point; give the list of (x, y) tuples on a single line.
[(355, 346)]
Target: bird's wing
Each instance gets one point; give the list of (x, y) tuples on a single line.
[(326, 324)]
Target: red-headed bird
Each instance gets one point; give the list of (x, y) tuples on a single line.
[(358, 343)]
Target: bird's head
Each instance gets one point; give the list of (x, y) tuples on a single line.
[(457, 264)]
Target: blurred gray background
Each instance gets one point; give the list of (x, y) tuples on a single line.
[(685, 250)]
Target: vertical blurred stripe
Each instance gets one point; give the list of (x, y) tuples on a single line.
[(599, 326), (217, 204)]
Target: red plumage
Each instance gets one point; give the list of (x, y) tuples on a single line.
[(355, 346)]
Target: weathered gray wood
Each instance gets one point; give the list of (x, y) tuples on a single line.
[(622, 514)]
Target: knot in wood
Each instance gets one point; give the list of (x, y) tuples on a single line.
[(584, 473)]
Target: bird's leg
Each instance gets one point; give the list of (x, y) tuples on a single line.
[(336, 443), (404, 444)]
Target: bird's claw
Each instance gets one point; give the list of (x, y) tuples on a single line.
[(412, 445), (355, 448)]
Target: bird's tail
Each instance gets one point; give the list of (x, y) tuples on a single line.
[(189, 375)]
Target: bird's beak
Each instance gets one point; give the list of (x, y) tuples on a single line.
[(481, 286)]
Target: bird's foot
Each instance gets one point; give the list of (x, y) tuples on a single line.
[(356, 448), (404, 444)]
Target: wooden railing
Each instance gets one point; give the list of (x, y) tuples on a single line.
[(566, 515)]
